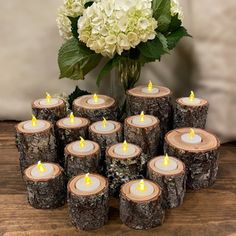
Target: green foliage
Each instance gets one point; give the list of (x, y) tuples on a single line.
[(75, 94), (74, 26), (75, 60), (175, 23), (88, 4)]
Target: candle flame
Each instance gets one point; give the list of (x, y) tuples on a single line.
[(81, 142), (95, 98), (125, 146), (166, 160), (34, 121), (104, 122), (191, 133), (142, 116), (87, 179), (150, 86), (141, 186), (191, 96), (72, 118), (48, 97), (41, 167)]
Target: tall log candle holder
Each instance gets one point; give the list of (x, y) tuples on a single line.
[(199, 153), (141, 206), (169, 173), (46, 189), (84, 158), (88, 201), (95, 107), (35, 143)]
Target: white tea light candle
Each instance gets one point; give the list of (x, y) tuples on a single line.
[(34, 124), (141, 189), (104, 126), (150, 89), (95, 100), (142, 120), (42, 170), (191, 100), (164, 163), (124, 149), (72, 121), (191, 137), (82, 146), (87, 183), (49, 101)]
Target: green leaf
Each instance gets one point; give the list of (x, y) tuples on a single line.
[(174, 37), (75, 60), (163, 41), (175, 23), (74, 26), (75, 94)]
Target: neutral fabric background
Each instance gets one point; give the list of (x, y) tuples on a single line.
[(206, 63)]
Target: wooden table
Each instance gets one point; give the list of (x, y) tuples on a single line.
[(206, 212)]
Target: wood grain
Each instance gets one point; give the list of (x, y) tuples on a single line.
[(206, 212)]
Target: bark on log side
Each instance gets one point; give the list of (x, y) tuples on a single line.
[(201, 160), (46, 193), (190, 116), (88, 212), (36, 146), (172, 183), (76, 163), (143, 214), (96, 112)]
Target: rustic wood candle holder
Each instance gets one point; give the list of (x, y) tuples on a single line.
[(46, 192), (190, 116), (141, 212), (172, 183), (88, 210), (35, 146), (201, 159)]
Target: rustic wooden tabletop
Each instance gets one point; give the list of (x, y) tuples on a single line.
[(206, 212)]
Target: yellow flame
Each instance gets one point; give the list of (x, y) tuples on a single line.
[(95, 98), (104, 122), (166, 160), (87, 179), (34, 121), (72, 118), (191, 96), (142, 116), (81, 142), (191, 133), (41, 167), (125, 146), (141, 186), (48, 97), (150, 86)]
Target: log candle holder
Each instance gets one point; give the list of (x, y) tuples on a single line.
[(171, 180), (78, 161), (200, 158), (88, 210), (47, 191), (95, 109), (141, 212), (35, 144)]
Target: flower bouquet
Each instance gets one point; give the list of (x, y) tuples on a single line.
[(126, 33)]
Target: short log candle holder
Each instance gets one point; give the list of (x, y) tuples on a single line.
[(156, 102), (51, 110), (190, 112), (82, 158), (88, 201), (69, 130), (46, 185), (144, 131), (35, 143), (95, 107), (141, 204), (199, 151), (169, 173), (123, 166)]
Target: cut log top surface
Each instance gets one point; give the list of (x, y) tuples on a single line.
[(137, 92), (179, 170), (36, 104), (71, 187), (69, 150), (125, 190), (83, 102), (20, 127), (203, 102), (117, 125), (209, 141), (56, 168), (155, 122), (84, 122), (111, 152)]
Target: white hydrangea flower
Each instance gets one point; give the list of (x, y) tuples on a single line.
[(110, 27), (176, 9)]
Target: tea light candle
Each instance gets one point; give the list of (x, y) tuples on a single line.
[(104, 126), (191, 137), (142, 120), (95, 100), (124, 149), (141, 189), (82, 146), (191, 100), (49, 101), (88, 183), (34, 124), (72, 121), (164, 163), (150, 89), (42, 170)]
